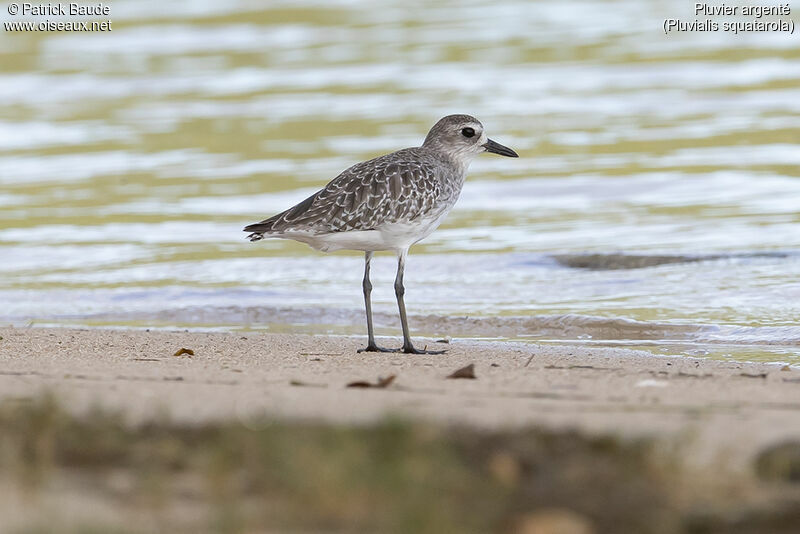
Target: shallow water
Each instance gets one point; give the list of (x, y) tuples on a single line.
[(656, 201)]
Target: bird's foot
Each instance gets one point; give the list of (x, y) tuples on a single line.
[(408, 348), (372, 347)]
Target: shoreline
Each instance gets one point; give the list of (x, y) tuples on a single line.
[(713, 410), (728, 342)]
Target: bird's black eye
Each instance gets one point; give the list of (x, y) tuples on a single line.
[(468, 132)]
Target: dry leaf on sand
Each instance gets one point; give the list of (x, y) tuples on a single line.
[(464, 372)]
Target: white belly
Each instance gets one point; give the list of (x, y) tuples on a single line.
[(394, 236)]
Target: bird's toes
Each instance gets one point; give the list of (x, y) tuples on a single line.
[(376, 348), (410, 349)]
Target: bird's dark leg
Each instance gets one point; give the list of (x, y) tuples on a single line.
[(400, 291), (367, 285)]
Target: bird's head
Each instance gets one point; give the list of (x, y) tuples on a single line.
[(462, 138)]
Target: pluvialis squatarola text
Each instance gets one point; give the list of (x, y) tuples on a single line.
[(387, 203)]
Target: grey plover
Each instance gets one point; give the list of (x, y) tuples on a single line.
[(387, 203)]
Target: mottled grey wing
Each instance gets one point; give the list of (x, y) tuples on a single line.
[(363, 197)]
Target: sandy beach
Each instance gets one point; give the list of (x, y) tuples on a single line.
[(241, 432), (719, 413)]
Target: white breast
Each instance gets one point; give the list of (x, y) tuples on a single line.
[(393, 236)]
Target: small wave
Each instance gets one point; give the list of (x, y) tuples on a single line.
[(570, 327), (582, 327), (610, 262)]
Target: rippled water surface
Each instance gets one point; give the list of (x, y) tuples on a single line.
[(656, 201)]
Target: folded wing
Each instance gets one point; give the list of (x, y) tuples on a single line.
[(364, 197)]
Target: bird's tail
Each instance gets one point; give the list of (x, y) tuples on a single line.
[(277, 224), (258, 230)]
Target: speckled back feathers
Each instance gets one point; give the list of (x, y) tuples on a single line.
[(397, 187)]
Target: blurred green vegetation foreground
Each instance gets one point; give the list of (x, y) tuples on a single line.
[(98, 473)]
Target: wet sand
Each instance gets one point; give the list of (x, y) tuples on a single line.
[(718, 413)]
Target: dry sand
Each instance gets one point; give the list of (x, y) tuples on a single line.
[(721, 413)]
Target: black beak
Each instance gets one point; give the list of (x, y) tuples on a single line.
[(497, 148)]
